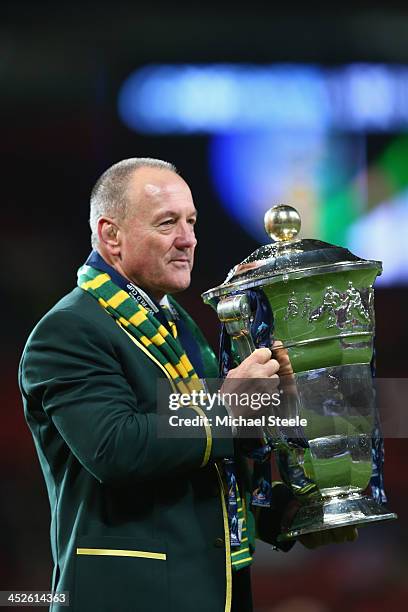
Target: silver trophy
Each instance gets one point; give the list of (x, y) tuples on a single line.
[(321, 300)]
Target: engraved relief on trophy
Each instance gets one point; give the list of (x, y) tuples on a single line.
[(295, 309), (342, 309)]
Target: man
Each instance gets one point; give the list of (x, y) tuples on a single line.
[(139, 522)]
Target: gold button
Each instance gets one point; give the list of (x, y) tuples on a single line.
[(219, 542)]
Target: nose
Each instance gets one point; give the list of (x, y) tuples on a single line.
[(185, 238)]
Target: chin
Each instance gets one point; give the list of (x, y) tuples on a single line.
[(177, 287)]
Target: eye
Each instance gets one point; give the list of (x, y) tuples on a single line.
[(167, 222), (192, 221)]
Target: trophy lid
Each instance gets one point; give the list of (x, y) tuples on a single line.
[(287, 257)]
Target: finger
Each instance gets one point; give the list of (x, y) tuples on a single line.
[(262, 355), (281, 354), (276, 344), (338, 535), (266, 370), (325, 538), (343, 534), (311, 540), (270, 368), (352, 534)]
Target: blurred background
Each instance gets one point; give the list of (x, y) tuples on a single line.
[(256, 106)]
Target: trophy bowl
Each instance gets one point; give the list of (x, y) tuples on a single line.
[(317, 299)]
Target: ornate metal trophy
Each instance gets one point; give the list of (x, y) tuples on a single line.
[(320, 302)]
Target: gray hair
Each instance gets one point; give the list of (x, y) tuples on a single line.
[(109, 195)]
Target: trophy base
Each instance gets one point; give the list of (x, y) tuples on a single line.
[(337, 511)]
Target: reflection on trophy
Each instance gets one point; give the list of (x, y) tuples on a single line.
[(317, 300)]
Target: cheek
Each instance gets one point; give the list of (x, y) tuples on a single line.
[(136, 258), (151, 259), (140, 249)]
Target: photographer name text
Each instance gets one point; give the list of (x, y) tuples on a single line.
[(236, 421)]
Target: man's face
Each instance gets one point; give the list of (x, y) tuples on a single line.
[(157, 237)]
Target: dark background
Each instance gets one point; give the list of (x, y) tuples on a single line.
[(61, 65)]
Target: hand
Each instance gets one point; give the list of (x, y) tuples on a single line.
[(257, 374), (329, 536), (244, 385), (281, 354), (286, 376), (259, 364)]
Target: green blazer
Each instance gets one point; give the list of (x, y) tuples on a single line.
[(138, 522)]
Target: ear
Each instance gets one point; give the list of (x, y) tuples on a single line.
[(109, 235)]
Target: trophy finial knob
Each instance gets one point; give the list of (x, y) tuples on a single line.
[(282, 223)]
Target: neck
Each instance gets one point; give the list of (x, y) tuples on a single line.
[(115, 263)]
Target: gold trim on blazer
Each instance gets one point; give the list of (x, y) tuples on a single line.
[(115, 552), (208, 448), (228, 570)]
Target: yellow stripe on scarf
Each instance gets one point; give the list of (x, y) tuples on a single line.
[(183, 387), (118, 299), (163, 331), (186, 362), (171, 370), (181, 370), (173, 328), (157, 339), (97, 282), (138, 318), (123, 321)]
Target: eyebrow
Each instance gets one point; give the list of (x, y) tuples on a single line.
[(171, 213)]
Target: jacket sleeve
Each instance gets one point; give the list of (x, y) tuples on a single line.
[(70, 370)]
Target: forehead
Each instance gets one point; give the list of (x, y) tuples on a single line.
[(151, 189)]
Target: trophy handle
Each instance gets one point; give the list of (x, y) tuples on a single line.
[(235, 312)]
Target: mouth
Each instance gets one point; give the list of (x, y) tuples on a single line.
[(180, 262), (181, 259)]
